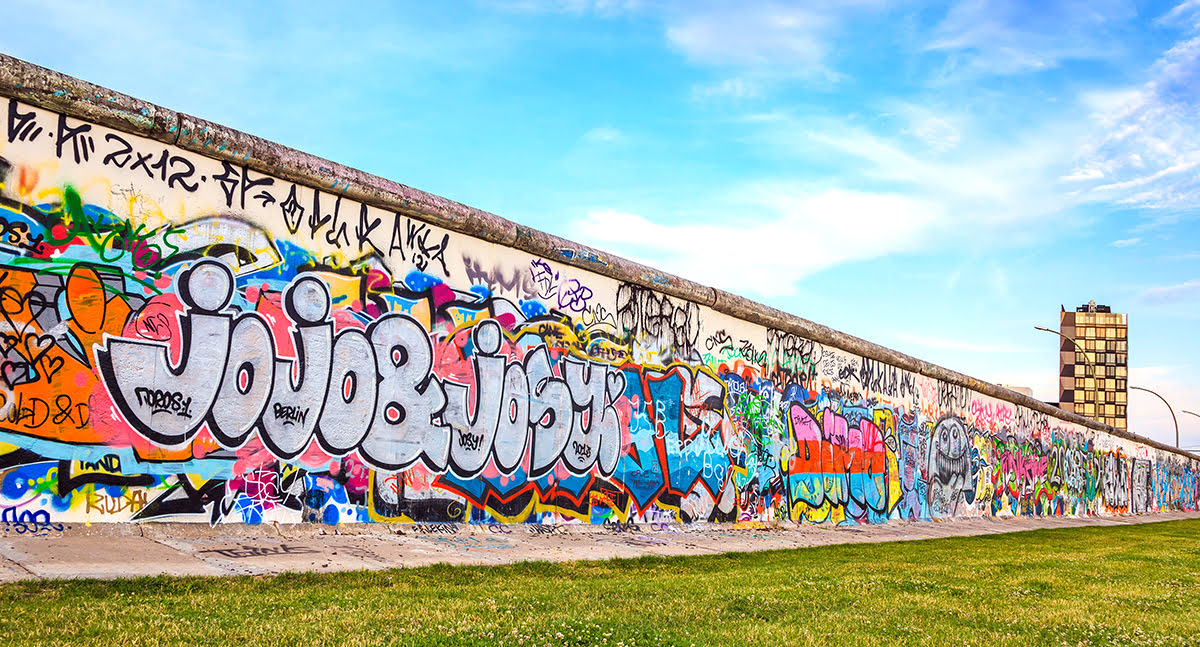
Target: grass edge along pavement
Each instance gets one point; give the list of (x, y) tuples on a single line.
[(1093, 585)]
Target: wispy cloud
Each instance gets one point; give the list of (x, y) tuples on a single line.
[(1180, 13), (1126, 242), (1148, 155), (937, 133), (601, 7), (603, 134), (910, 195), (792, 230), (732, 88), (992, 37), (752, 35), (773, 39), (996, 180), (1083, 175), (1171, 293)]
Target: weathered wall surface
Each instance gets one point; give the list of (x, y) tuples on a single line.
[(188, 338)]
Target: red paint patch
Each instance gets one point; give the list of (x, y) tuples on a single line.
[(343, 319), (253, 455), (158, 321), (442, 294), (314, 458)]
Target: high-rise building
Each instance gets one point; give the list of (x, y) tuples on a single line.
[(1094, 363)]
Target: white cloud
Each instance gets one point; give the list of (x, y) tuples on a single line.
[(1180, 12), (992, 37), (1126, 242), (774, 39), (907, 198), (602, 7), (937, 133), (732, 88), (885, 159), (1148, 152), (752, 35), (987, 181), (1187, 163), (792, 231), (1171, 293), (1109, 100), (603, 134), (1082, 175)]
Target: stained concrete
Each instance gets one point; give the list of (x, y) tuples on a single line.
[(131, 550)]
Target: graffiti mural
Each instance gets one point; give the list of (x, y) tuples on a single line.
[(187, 339)]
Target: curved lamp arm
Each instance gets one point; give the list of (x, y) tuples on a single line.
[(1176, 420), (1082, 350)]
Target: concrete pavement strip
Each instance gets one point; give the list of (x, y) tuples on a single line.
[(132, 550)]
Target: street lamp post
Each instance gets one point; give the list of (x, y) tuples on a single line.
[(1082, 350), (1091, 371), (1173, 418), (1192, 449)]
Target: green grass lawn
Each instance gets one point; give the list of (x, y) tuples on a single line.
[(1125, 585)]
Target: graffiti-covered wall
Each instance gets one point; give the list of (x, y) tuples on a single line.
[(186, 338)]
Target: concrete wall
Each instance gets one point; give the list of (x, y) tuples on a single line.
[(199, 325)]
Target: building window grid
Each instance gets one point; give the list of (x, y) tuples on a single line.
[(1099, 385)]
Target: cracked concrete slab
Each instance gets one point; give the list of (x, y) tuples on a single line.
[(132, 550), (99, 556)]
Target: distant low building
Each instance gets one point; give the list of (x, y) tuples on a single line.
[(1094, 363), (1024, 390)]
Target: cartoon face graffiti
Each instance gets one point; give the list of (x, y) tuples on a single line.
[(949, 466), (211, 343), (950, 449)]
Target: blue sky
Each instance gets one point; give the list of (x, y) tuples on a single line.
[(938, 178)]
